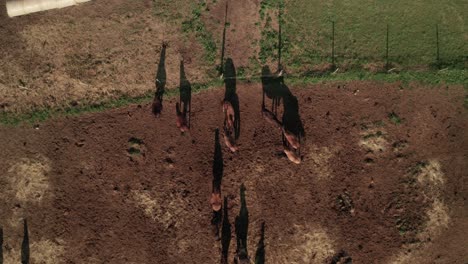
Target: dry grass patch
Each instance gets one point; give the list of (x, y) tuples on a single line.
[(28, 179), (42, 252), (431, 174), (318, 159), (374, 141), (308, 244), (165, 211), (439, 218)]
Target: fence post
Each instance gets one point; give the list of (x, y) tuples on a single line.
[(386, 52), (333, 44)]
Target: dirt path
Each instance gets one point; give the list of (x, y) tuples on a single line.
[(382, 179)]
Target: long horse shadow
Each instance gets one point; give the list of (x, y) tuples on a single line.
[(25, 244), (185, 91), (271, 86), (218, 168), (271, 82), (260, 253), (160, 83), (291, 119), (1, 245), (242, 226), (225, 234), (230, 93)]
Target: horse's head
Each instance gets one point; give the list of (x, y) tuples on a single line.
[(215, 201)]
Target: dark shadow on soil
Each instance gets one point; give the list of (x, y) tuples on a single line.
[(218, 168), (225, 234), (185, 99), (160, 83), (1, 245), (291, 118), (25, 245), (218, 165), (275, 89), (216, 221), (230, 94), (185, 89), (271, 84), (260, 253), (242, 225)]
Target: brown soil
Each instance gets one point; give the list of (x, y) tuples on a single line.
[(123, 187)]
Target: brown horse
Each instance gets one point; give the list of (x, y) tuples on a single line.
[(181, 119), (229, 114), (292, 156), (157, 106), (229, 140), (215, 200), (293, 140), (292, 153)]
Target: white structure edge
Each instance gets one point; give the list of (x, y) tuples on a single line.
[(23, 7)]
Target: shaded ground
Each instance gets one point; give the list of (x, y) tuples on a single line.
[(382, 179)]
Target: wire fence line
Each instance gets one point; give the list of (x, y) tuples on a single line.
[(434, 45)]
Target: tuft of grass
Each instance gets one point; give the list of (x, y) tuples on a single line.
[(394, 118), (378, 134), (133, 151), (134, 140)]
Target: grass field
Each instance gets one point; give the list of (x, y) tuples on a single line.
[(360, 32), (194, 32)]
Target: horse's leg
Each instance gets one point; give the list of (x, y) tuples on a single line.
[(189, 113)]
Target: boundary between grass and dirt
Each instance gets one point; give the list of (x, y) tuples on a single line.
[(431, 78)]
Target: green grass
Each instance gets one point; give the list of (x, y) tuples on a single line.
[(133, 151), (136, 141), (40, 115), (196, 26), (428, 78), (378, 134), (269, 42), (394, 118), (360, 32)]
